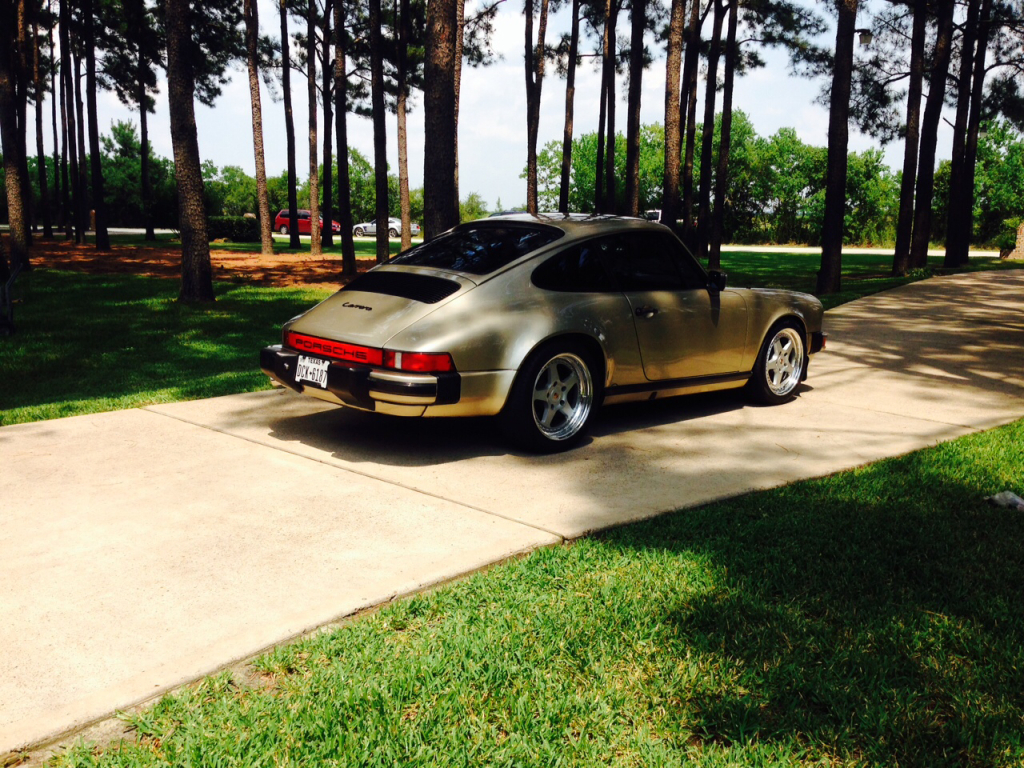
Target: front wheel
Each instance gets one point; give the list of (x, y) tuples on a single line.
[(392, 233), (780, 365), (284, 229), (358, 232), (553, 399)]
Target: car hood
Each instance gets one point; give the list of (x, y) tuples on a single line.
[(390, 305)]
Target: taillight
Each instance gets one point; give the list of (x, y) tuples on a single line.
[(419, 362), (336, 349)]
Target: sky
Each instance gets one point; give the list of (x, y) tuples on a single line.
[(492, 115)]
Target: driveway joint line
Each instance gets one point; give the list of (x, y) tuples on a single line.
[(265, 444)]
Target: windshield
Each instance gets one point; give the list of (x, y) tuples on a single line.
[(479, 249)]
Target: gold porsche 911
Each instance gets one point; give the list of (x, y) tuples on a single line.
[(539, 320)]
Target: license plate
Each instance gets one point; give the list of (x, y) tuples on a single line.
[(312, 369)]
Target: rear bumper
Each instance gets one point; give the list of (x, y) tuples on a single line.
[(363, 387)]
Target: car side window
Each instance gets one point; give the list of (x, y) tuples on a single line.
[(304, 214), (643, 263), (693, 275), (581, 268)]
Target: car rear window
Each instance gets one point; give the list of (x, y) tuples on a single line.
[(479, 250)]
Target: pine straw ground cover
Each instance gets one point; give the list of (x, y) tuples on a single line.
[(869, 618)]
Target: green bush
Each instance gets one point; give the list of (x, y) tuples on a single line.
[(1006, 240), (237, 229)]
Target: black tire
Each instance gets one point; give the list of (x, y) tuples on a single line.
[(392, 233), (780, 364), (553, 399), (284, 229), (358, 232)]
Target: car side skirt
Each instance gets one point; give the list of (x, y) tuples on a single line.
[(670, 387)]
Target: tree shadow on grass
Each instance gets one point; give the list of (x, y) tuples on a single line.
[(857, 619)]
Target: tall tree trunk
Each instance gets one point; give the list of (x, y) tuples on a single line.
[(71, 140), (439, 195), (929, 136), (44, 192), (83, 173), (11, 144), (144, 182), (722, 173), (327, 211), (534, 83), (599, 194), (673, 123), (196, 273), (636, 73), (690, 105), (905, 222), (24, 73), (966, 212), (315, 248), (95, 156), (956, 238), (380, 144), (67, 212), (708, 137), (610, 199), (58, 190), (460, 31), (830, 273), (570, 100), (348, 248), (250, 11), (289, 130), (404, 36)]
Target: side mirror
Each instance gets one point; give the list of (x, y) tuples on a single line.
[(717, 279)]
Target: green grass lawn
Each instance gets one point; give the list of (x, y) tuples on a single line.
[(97, 343), (366, 248), (870, 618)]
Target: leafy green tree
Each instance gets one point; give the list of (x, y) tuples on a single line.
[(473, 207), (999, 179)]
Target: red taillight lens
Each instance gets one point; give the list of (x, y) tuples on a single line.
[(419, 362), (339, 351)]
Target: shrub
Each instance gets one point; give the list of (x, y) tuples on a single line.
[(238, 229), (1006, 240)]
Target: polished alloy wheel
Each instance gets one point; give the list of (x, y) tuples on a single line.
[(563, 395), (784, 363)]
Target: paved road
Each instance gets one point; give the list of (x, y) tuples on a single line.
[(141, 549)]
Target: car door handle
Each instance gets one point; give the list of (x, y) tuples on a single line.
[(646, 312)]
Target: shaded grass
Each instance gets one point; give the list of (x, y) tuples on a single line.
[(89, 343), (869, 618)]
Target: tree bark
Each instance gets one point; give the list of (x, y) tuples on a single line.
[(956, 238), (690, 105), (67, 212), (636, 73), (599, 192), (610, 196), (570, 102), (673, 125), (17, 205), (289, 130), (929, 134), (57, 189), (83, 173), (250, 11), (99, 202), (326, 70), (722, 173), (973, 124), (24, 72), (708, 137), (460, 29), (404, 36), (830, 273), (905, 221), (41, 169), (315, 248), (439, 195), (380, 145), (196, 274), (77, 192), (534, 85), (348, 249)]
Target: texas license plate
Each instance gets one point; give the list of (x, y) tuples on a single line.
[(312, 369)]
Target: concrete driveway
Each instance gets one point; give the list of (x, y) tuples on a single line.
[(142, 549)]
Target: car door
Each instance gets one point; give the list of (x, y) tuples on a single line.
[(685, 327), (303, 222)]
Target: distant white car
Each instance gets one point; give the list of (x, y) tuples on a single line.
[(394, 228)]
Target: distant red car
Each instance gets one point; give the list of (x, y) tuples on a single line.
[(283, 222)]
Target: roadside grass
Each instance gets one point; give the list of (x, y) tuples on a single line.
[(869, 618), (365, 247), (89, 343), (102, 342)]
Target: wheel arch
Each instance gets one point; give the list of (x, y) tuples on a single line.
[(589, 343)]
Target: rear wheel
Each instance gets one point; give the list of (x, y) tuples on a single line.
[(284, 229), (392, 233), (553, 399), (358, 232), (780, 365)]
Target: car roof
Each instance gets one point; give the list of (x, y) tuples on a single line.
[(575, 224)]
